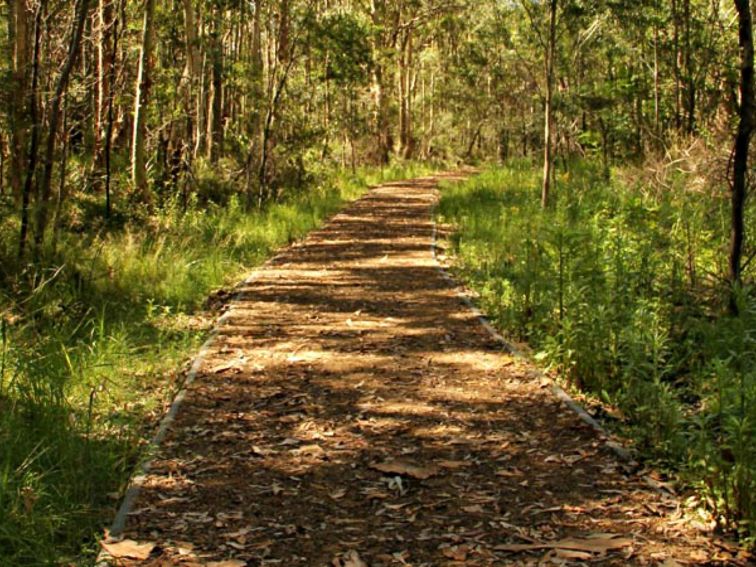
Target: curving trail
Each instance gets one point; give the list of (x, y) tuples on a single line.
[(353, 411)]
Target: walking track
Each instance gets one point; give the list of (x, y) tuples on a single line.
[(352, 411)]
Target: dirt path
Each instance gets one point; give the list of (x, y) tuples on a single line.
[(353, 410)]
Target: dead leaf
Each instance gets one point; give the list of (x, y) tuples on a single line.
[(457, 552), (235, 364), (259, 452), (600, 544), (309, 451), (228, 563), (571, 554), (474, 509), (453, 464), (350, 559), (128, 549), (405, 469), (336, 494)]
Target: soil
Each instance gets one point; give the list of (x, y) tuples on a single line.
[(353, 411)]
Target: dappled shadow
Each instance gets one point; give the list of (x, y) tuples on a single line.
[(350, 350)]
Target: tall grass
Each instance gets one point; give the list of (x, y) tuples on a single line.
[(618, 290), (92, 339)]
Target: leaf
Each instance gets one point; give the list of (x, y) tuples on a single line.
[(352, 559), (405, 469), (128, 549), (228, 563), (309, 451), (600, 544), (457, 552), (336, 494), (453, 464), (570, 554), (474, 509), (236, 364)]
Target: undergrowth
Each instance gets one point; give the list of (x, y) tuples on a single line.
[(618, 289), (91, 346)]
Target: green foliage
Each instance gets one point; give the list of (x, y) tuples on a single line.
[(609, 287), (342, 40)]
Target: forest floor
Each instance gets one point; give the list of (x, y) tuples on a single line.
[(353, 411)]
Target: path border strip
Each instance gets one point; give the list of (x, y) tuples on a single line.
[(461, 292)]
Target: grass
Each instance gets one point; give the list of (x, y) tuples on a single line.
[(92, 346), (618, 290)]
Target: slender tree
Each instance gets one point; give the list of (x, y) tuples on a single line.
[(742, 144), (548, 134), (43, 207), (141, 99)]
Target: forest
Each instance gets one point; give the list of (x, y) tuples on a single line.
[(152, 152)]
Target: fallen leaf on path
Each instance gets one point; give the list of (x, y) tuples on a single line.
[(128, 549), (600, 544), (236, 364), (309, 451), (474, 509), (453, 464), (659, 485), (457, 552), (349, 559), (405, 469), (336, 494), (571, 554)]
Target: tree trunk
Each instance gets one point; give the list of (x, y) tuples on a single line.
[(103, 86), (742, 143), (216, 117), (381, 124), (677, 64), (548, 135), (194, 77), (18, 36), (110, 117), (258, 96), (43, 212), (34, 144), (690, 79), (141, 99)]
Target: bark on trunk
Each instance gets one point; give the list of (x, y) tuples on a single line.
[(742, 143), (43, 210), (138, 160), (105, 55), (18, 36), (216, 122), (34, 144), (548, 135), (193, 77)]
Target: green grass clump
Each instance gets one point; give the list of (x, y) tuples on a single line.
[(616, 289), (92, 339)]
